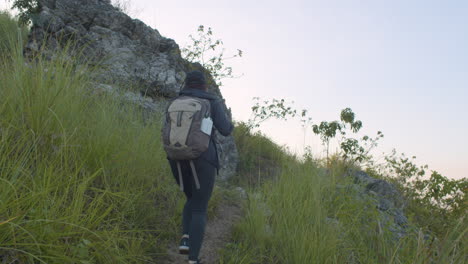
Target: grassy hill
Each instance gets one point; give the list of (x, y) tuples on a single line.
[(311, 212), (84, 179)]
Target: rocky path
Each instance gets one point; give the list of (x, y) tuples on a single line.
[(217, 234)]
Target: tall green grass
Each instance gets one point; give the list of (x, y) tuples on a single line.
[(83, 177), (260, 158), (313, 215), (10, 33)]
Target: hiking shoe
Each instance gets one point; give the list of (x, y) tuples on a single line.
[(184, 246), (195, 262)]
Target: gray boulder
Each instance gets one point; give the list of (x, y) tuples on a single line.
[(388, 200), (129, 54)]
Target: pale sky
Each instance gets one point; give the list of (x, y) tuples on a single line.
[(401, 65)]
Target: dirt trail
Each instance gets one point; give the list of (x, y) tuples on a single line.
[(217, 234)]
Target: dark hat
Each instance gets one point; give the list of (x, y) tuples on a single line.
[(195, 79)]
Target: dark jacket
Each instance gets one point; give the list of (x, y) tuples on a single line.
[(220, 122)]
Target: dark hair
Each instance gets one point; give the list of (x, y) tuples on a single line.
[(195, 80)]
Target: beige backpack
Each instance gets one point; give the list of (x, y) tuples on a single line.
[(187, 131)]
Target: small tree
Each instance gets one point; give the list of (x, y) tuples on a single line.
[(267, 109), (27, 10), (328, 130), (358, 150), (208, 51)]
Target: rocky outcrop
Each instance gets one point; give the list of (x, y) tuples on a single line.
[(387, 199), (129, 54)]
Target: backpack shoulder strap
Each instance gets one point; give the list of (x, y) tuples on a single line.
[(181, 180), (195, 176)]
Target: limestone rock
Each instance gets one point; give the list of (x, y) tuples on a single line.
[(130, 52), (388, 200)]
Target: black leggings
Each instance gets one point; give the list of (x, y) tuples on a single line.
[(194, 215)]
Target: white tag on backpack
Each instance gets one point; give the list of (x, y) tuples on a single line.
[(206, 126)]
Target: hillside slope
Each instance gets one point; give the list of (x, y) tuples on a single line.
[(128, 55), (83, 180)]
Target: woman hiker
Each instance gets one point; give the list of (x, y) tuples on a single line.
[(197, 177)]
